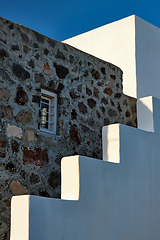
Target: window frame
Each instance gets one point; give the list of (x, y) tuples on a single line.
[(52, 98)]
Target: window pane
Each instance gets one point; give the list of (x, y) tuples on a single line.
[(44, 113)]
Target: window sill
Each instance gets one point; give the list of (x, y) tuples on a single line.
[(47, 131)]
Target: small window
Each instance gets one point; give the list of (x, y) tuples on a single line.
[(48, 111)]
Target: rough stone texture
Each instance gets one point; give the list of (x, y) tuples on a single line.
[(7, 111), (54, 179), (34, 178), (20, 72), (15, 147), (31, 135), (4, 93), (24, 116), (3, 143), (46, 68), (17, 188), (61, 71), (36, 156), (89, 95), (13, 131), (21, 96)]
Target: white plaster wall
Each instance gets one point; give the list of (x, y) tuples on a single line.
[(147, 59), (114, 43), (133, 45)]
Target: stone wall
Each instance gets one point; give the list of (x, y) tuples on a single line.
[(90, 96)]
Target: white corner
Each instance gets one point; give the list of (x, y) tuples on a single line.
[(111, 143), (19, 211), (70, 178), (145, 114)]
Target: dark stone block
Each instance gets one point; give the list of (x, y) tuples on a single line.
[(46, 51), (7, 111), (100, 84), (106, 121), (15, 47), (85, 73), (26, 49), (91, 102), (2, 154), (127, 114), (102, 109), (20, 72), (113, 77), (11, 25), (95, 92), (73, 94), (112, 113), (34, 178), (98, 114), (60, 55), (119, 108), (3, 143), (60, 100), (4, 41), (40, 38), (104, 100), (61, 71), (24, 37), (73, 114), (71, 59), (64, 47), (43, 193), (11, 167), (108, 91), (36, 99), (112, 103), (35, 156), (103, 70), (88, 91), (37, 56), (51, 43), (31, 63), (60, 87), (24, 116), (82, 107), (21, 96), (39, 78), (117, 95), (55, 179), (15, 147), (95, 74), (75, 79), (74, 134), (35, 45), (3, 53)]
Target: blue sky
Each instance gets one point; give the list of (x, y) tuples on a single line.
[(62, 19)]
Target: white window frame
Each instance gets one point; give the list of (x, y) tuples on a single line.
[(52, 120)]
